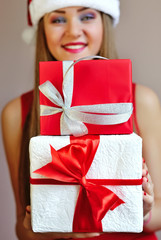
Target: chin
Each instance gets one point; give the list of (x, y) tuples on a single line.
[(73, 57)]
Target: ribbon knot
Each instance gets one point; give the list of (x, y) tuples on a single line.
[(83, 181), (68, 165), (65, 110)]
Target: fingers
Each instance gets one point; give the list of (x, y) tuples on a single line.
[(148, 199), (144, 172), (147, 181), (145, 168), (148, 190), (148, 186), (148, 196), (27, 225), (28, 209), (78, 235), (85, 235), (71, 235), (27, 219)]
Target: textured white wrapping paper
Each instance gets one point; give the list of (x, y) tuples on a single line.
[(117, 157)]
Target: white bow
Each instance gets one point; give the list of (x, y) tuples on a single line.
[(73, 118)]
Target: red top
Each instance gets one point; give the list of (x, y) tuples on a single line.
[(26, 102)]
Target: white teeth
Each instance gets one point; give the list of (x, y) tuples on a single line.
[(74, 46)]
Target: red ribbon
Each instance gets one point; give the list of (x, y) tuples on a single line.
[(118, 182), (70, 164), (28, 13)]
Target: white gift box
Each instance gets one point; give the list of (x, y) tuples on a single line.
[(117, 157)]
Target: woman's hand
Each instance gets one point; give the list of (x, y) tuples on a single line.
[(148, 193), (50, 236)]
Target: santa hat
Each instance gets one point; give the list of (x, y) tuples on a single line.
[(38, 8)]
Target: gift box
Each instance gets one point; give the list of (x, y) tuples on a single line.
[(86, 97), (86, 184)]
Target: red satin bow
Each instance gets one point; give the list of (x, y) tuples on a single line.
[(70, 164)]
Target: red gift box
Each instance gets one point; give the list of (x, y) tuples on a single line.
[(92, 82)]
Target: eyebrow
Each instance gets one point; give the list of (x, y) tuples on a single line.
[(79, 10), (82, 9)]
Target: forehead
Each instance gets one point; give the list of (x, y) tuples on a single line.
[(72, 9), (77, 8)]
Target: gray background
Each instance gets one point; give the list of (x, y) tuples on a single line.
[(138, 36)]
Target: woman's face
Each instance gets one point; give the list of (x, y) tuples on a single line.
[(73, 32)]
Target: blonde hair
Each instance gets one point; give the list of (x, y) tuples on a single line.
[(32, 126), (108, 48)]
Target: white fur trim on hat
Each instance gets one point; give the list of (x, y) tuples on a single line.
[(38, 8)]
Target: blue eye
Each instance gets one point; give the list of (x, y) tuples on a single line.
[(87, 17), (59, 20)]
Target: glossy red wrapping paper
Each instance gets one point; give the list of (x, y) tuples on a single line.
[(95, 82)]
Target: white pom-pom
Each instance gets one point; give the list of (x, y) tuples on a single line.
[(29, 35)]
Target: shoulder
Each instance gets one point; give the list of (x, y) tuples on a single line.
[(148, 108), (11, 113), (17, 109), (146, 96), (11, 128)]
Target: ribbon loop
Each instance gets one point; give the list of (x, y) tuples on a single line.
[(49, 90)]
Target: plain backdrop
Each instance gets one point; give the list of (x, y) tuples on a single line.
[(138, 37)]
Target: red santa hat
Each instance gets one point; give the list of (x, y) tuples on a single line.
[(38, 8)]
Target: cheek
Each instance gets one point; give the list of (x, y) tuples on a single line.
[(96, 36), (53, 36), (47, 36), (50, 37), (99, 37), (99, 33)]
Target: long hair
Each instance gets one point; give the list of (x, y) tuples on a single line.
[(31, 127)]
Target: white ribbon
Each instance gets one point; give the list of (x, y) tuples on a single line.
[(73, 118)]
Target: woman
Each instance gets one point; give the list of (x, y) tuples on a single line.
[(69, 30)]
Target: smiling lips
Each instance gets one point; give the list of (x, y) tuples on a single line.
[(74, 47)]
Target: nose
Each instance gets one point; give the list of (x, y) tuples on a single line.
[(74, 28)]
